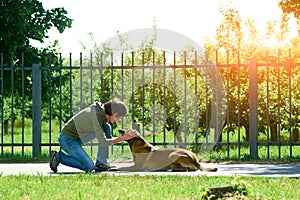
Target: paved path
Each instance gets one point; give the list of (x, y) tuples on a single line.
[(269, 170)]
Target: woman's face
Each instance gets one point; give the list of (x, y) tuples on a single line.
[(113, 118)]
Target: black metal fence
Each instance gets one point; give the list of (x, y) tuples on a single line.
[(174, 100)]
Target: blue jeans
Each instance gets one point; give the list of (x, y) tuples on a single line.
[(77, 157), (103, 151)]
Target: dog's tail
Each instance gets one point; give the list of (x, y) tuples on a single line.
[(208, 169), (205, 169)]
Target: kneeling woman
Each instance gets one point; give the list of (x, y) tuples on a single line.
[(91, 122)]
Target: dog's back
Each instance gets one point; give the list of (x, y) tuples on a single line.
[(175, 159)]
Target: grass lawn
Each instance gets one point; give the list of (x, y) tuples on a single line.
[(103, 186)]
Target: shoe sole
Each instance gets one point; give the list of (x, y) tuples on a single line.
[(52, 157)]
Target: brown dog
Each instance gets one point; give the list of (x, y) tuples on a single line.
[(146, 157)]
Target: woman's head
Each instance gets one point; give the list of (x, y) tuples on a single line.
[(116, 107)]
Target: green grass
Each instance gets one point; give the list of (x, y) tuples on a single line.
[(25, 135), (102, 186), (14, 153)]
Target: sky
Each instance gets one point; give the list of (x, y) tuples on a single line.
[(196, 19)]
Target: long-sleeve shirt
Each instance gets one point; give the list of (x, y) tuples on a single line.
[(88, 121)]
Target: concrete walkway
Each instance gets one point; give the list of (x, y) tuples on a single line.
[(269, 170)]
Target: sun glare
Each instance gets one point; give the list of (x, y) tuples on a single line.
[(260, 14)]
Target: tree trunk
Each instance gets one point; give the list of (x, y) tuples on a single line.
[(217, 136), (5, 126), (274, 133), (247, 132), (179, 140), (295, 135)]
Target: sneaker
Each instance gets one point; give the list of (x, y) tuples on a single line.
[(103, 167), (54, 162)]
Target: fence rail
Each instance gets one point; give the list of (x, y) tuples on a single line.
[(179, 103)]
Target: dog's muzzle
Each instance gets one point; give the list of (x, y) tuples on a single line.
[(121, 131)]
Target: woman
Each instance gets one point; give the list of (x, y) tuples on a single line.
[(85, 126)]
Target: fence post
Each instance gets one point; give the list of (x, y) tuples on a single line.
[(253, 119), (36, 110)]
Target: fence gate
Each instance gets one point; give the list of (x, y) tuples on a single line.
[(241, 110)]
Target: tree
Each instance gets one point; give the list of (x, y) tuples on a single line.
[(277, 95), (22, 21), (290, 6), (146, 99)]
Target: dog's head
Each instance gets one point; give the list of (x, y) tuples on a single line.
[(132, 140), (138, 144)]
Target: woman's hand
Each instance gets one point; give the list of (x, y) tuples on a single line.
[(126, 136), (130, 134)]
